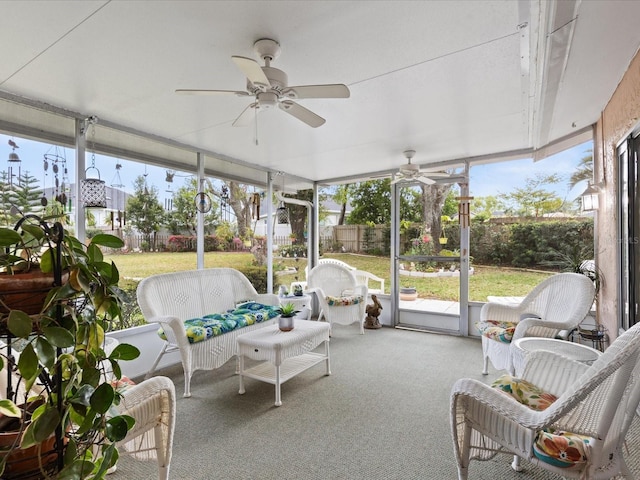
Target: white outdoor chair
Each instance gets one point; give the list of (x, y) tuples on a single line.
[(341, 300), (153, 405), (553, 309), (598, 402)]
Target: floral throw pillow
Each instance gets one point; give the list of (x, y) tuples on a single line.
[(344, 301), (524, 392), (496, 330)]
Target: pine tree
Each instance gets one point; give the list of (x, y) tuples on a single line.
[(27, 194)]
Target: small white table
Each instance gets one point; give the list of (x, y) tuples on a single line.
[(302, 303), (574, 351), (284, 354)]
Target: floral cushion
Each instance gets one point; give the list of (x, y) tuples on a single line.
[(496, 330), (212, 325), (122, 384), (562, 449), (524, 392), (558, 448), (344, 301)]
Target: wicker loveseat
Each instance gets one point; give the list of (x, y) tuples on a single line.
[(170, 299)]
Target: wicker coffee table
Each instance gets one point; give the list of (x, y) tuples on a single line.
[(284, 354)]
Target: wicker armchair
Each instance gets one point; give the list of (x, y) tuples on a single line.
[(597, 401), (152, 403), (341, 300), (553, 309)]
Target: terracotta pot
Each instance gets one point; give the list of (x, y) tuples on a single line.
[(25, 463), (26, 291)]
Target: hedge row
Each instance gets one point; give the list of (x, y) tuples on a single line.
[(528, 245)]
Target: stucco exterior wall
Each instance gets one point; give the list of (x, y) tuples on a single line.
[(617, 120)]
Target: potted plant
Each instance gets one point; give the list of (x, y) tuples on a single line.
[(62, 354), (287, 313)]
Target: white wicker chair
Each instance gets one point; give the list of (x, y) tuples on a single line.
[(341, 300), (171, 298), (552, 309), (153, 405), (598, 401)]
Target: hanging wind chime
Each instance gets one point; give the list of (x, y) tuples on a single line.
[(58, 162), (94, 190), (13, 159)]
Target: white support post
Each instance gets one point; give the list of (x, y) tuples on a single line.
[(269, 233), (465, 223), (81, 145), (200, 225)]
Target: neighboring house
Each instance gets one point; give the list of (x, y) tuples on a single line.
[(331, 215)]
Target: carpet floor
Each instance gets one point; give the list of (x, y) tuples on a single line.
[(382, 414)]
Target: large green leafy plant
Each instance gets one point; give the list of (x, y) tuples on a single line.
[(62, 356)]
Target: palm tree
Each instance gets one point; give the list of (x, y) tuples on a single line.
[(584, 170)]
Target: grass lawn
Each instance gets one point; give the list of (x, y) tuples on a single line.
[(485, 280)]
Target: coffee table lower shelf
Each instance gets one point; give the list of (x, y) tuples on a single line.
[(269, 373)]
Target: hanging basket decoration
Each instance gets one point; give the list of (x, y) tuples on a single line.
[(93, 191), (443, 240), (282, 214)]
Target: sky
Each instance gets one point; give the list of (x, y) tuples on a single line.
[(491, 179)]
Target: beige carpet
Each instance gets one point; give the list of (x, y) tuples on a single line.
[(382, 414)]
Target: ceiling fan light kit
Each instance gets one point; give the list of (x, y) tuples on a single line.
[(270, 87)]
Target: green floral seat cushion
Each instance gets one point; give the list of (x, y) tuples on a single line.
[(496, 330), (212, 325), (555, 447), (344, 301)]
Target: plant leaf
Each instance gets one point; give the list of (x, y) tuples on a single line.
[(102, 398), (83, 395), (28, 363), (19, 323), (9, 237), (58, 336), (9, 409), (124, 351), (46, 353), (45, 425), (106, 240), (117, 427)]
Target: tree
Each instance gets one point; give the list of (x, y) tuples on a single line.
[(371, 201), (341, 197), (533, 200), (241, 206), (26, 194), (144, 210), (584, 170), (433, 200), (484, 206), (184, 216), (6, 201)]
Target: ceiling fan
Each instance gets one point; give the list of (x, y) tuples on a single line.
[(269, 87), (412, 173)]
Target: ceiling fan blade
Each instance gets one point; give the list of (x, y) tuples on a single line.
[(336, 90), (246, 116), (187, 91), (252, 70), (425, 180), (397, 179), (302, 113)]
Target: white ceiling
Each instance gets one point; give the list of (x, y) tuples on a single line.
[(452, 80)]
